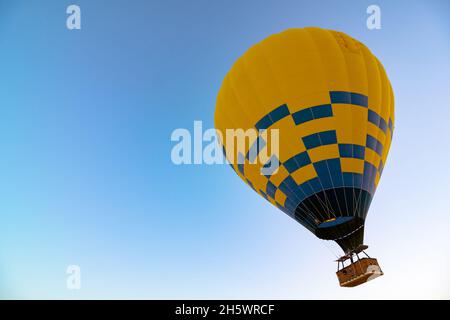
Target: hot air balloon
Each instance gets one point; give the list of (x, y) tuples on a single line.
[(332, 104)]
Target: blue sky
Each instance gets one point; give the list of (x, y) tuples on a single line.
[(86, 176)]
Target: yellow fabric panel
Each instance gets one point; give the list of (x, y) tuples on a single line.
[(317, 125), (229, 115), (392, 100), (343, 122), (355, 64), (220, 119), (280, 197), (392, 118), (385, 110), (238, 141), (293, 78), (352, 165), (278, 177), (377, 179), (385, 106), (388, 138), (388, 113), (246, 98), (374, 85), (372, 157), (376, 132), (290, 143), (352, 129), (324, 152), (261, 78), (332, 60), (316, 98), (386, 148), (231, 118), (253, 173), (304, 174)]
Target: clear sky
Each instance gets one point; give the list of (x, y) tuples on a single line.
[(86, 176)]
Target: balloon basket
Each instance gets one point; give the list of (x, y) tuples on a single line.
[(359, 271)]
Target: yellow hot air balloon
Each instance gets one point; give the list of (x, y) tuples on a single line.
[(332, 105)]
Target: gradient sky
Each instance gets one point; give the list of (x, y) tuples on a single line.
[(86, 176)]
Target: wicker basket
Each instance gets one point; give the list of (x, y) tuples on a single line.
[(359, 272)]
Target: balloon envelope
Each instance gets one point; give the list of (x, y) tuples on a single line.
[(333, 106)]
